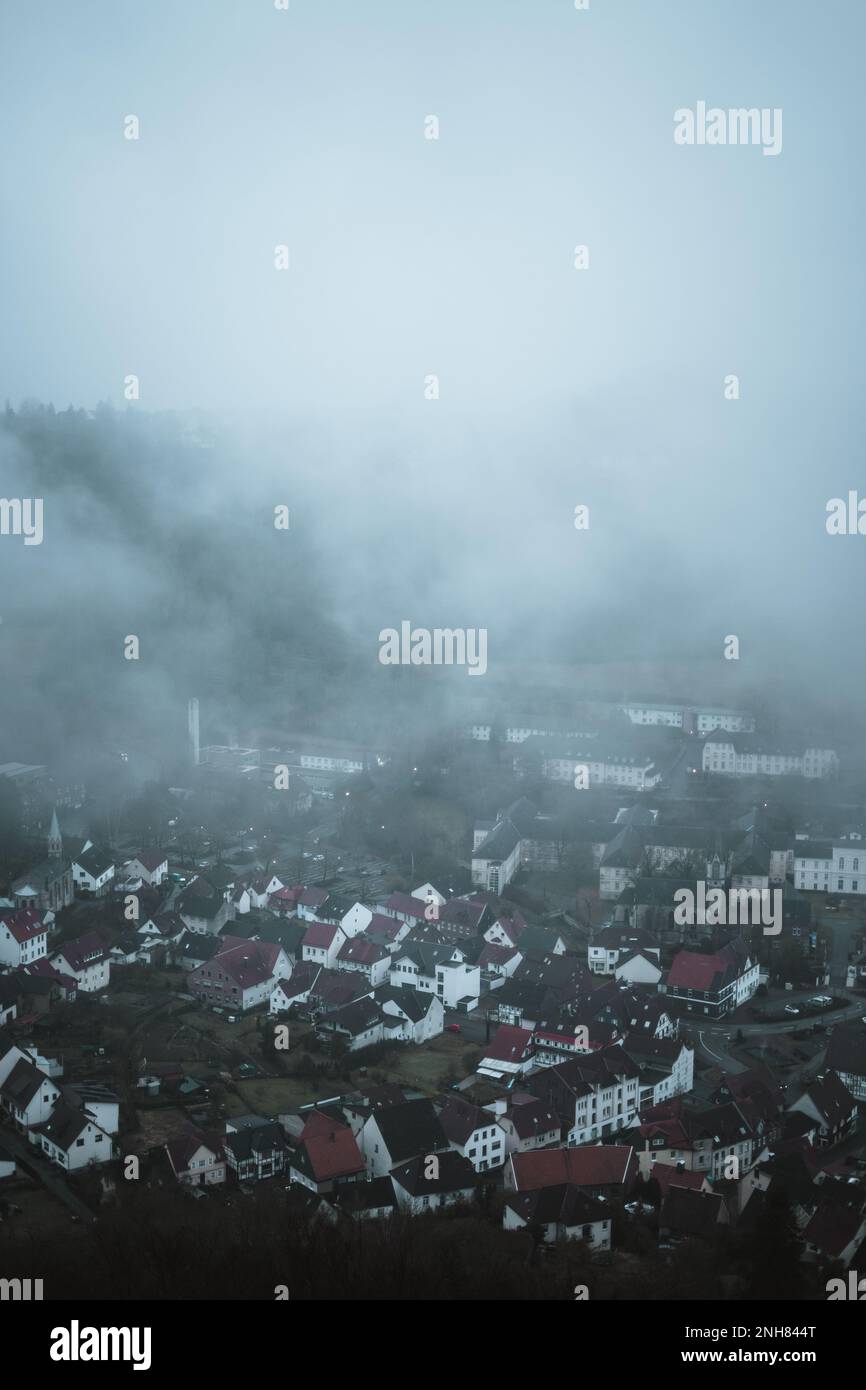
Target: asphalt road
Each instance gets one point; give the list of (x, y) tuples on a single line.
[(47, 1173)]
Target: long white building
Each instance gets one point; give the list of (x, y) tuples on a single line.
[(830, 867), (749, 755)]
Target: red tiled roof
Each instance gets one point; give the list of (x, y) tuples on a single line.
[(690, 970), (404, 902), (25, 924), (832, 1227), (667, 1175), (182, 1150), (84, 951), (361, 952), (335, 1154), (249, 963), (509, 1044), (597, 1165), (320, 934)]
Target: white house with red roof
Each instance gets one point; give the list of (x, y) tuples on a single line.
[(23, 937), (713, 985), (242, 975), (284, 901), (86, 959), (322, 943), (310, 901), (197, 1159), (368, 959), (150, 865), (327, 1155), (262, 888), (506, 931), (387, 931), (405, 908), (509, 1055), (499, 960)]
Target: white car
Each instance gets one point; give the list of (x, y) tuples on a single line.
[(791, 1009)]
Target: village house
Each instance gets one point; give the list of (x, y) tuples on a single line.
[(363, 956), (526, 1122), (150, 865), (327, 1155), (23, 937), (397, 1133), (431, 1181), (241, 975), (595, 1095), (561, 1212), (255, 1152), (197, 1159), (829, 1104), (360, 1023), (599, 1170), (28, 1095), (420, 1016), (262, 888), (92, 872), (86, 959), (322, 943), (204, 908), (295, 989), (613, 943), (309, 904), (712, 985), (71, 1139), (474, 1133), (846, 1056), (509, 1054)]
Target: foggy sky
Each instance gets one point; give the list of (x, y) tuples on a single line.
[(452, 257)]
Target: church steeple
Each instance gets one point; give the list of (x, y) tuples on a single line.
[(55, 839)]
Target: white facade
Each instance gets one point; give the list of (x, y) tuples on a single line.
[(91, 977), (843, 870), (640, 969), (486, 1147), (356, 920), (430, 1026), (153, 877), (456, 980), (93, 1145), (605, 1110), (607, 771), (417, 1205), (723, 757), (325, 955), (15, 953)]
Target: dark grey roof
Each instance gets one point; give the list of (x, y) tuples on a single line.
[(453, 1173), (65, 1125), (410, 1129)]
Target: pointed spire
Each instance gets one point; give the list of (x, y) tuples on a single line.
[(55, 839)]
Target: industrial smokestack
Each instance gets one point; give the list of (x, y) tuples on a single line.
[(193, 732)]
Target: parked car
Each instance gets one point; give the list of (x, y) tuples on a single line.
[(791, 1009), (452, 1027)]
